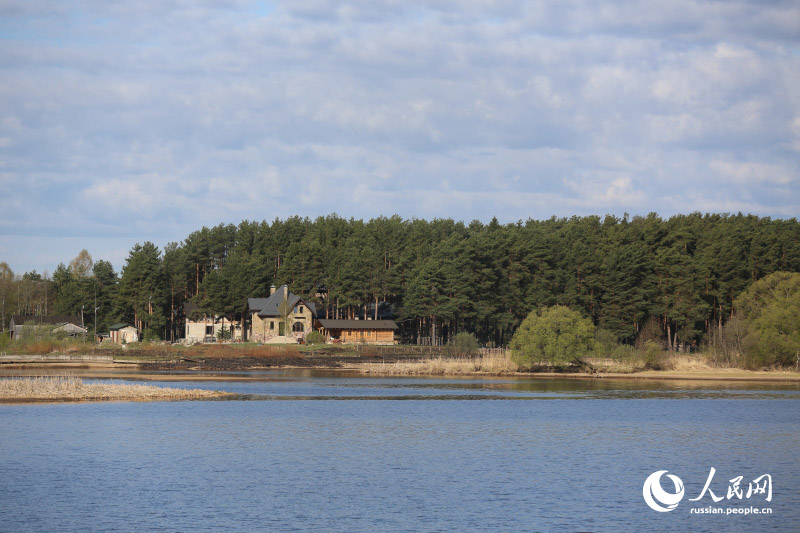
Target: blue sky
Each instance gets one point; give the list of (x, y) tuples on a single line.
[(125, 122)]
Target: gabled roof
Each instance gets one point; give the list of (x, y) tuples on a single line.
[(256, 304), (270, 306), (356, 324), (71, 328), (20, 320), (119, 326)]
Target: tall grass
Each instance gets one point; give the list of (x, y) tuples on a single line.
[(147, 350), (627, 359), (43, 345), (492, 363), (74, 388)]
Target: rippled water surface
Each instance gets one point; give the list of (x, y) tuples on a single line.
[(317, 451)]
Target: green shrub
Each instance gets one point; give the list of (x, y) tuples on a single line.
[(315, 337), (462, 345), (627, 355), (5, 340), (150, 335), (553, 335), (606, 343), (770, 309), (654, 358)]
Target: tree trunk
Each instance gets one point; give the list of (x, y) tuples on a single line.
[(669, 337)]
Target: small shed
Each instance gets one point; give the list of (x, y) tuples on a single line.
[(357, 331), (123, 333)]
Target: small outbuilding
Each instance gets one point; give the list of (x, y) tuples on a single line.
[(123, 333), (357, 331)]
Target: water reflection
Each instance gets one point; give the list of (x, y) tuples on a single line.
[(327, 451), (307, 384)]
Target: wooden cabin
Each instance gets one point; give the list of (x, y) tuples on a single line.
[(357, 331)]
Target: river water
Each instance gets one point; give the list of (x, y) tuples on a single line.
[(305, 450)]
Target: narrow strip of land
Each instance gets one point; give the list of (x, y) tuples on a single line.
[(72, 388)]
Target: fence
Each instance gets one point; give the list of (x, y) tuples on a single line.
[(416, 351), (55, 358)]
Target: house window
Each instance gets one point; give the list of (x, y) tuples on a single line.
[(298, 309), (297, 327), (271, 325), (209, 330)]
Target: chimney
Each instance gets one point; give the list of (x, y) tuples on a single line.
[(285, 292), (272, 290)]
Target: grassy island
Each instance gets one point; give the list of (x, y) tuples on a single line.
[(70, 388)]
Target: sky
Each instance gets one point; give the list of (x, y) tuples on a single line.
[(123, 122)]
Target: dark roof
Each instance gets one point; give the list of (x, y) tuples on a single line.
[(256, 304), (356, 324), (119, 326), (269, 306), (193, 312), (20, 320)]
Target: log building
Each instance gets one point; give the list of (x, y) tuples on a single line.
[(357, 331)]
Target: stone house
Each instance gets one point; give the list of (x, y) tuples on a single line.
[(200, 325), (267, 322)]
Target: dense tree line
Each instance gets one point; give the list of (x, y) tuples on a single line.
[(679, 276)]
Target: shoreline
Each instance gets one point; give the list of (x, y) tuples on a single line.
[(145, 371), (726, 374)]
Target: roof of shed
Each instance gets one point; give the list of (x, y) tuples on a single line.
[(21, 320)]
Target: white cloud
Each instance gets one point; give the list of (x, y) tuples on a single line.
[(148, 120), (753, 173)]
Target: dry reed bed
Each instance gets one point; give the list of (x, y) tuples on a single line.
[(155, 350), (638, 363), (496, 364), (73, 388)]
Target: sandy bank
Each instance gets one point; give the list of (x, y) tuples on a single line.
[(721, 374), (199, 373)]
